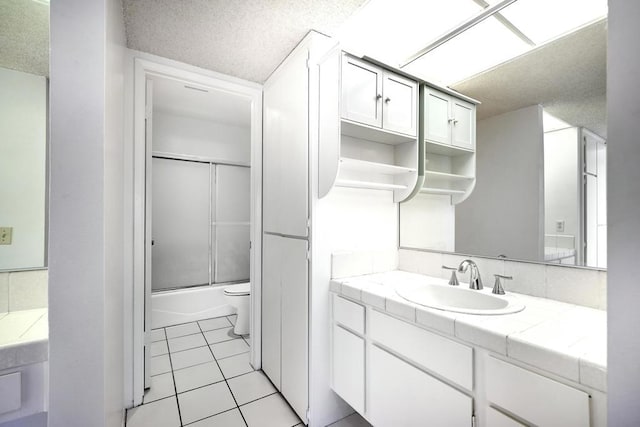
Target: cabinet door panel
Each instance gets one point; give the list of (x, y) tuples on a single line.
[(295, 279), (271, 333), (437, 115), (498, 419), (399, 109), (464, 129), (348, 367), (361, 92), (402, 395), (286, 149)]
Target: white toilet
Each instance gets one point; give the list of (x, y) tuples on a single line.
[(238, 296)]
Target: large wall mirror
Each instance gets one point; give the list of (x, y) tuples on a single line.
[(24, 67), (540, 191)]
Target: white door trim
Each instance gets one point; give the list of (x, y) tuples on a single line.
[(142, 69)]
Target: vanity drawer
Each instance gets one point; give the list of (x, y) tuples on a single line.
[(348, 314), (532, 397), (447, 358), (11, 392)]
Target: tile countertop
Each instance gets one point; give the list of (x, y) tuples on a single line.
[(23, 338), (564, 339)]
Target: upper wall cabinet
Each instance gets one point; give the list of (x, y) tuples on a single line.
[(449, 120), (368, 127), (376, 97), (450, 138)]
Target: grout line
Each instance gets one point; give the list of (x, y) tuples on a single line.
[(175, 389), (226, 382)]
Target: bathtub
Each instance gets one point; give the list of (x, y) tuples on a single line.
[(188, 305)]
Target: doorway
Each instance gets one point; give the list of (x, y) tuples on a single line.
[(197, 203)]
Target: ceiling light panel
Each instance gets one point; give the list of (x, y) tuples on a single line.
[(543, 20), (390, 31), (483, 46)]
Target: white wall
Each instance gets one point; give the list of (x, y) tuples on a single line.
[(23, 156), (428, 221), (504, 213), (192, 136), (623, 93), (562, 181), (86, 231)]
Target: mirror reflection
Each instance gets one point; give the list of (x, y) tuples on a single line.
[(24, 66), (540, 190)]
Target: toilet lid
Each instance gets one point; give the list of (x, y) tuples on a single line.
[(238, 290)]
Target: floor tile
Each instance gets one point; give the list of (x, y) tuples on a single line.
[(232, 319), (160, 364), (251, 386), (229, 348), (230, 418), (194, 356), (158, 348), (161, 413), (158, 335), (197, 376), (215, 323), (235, 365), (271, 411), (182, 330), (220, 335), (205, 402), (354, 420), (161, 387), (186, 342)]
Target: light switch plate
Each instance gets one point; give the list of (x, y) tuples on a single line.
[(560, 226), (5, 235)]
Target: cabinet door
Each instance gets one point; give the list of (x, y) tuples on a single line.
[(402, 395), (399, 104), (361, 92), (437, 126), (464, 124), (295, 324), (286, 149), (271, 308), (347, 373)]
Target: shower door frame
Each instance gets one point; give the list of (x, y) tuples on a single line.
[(141, 286)]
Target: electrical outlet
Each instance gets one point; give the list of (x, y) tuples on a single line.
[(560, 226), (5, 235)]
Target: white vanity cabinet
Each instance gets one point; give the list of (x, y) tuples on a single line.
[(376, 97)]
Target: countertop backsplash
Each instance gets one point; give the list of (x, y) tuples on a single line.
[(23, 290)]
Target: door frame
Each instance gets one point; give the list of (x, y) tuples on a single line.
[(144, 68)]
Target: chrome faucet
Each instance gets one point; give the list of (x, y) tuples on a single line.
[(475, 282)]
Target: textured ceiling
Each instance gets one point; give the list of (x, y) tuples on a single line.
[(567, 76), (24, 36), (246, 39), (171, 96)]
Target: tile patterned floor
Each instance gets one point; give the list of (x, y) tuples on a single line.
[(201, 377)]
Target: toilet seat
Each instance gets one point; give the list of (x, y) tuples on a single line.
[(242, 289)]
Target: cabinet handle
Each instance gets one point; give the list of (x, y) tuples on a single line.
[(378, 96), (450, 120), (387, 100)]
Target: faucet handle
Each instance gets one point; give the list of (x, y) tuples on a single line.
[(497, 286), (453, 281)]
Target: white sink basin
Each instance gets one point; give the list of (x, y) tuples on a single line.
[(458, 299)]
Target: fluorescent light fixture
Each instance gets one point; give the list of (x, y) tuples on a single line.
[(390, 31), (481, 47), (544, 20)]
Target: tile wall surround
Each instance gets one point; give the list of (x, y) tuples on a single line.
[(23, 290), (585, 287)]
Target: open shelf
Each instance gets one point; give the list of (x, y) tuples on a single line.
[(448, 176), (445, 150), (446, 191), (357, 165), (370, 133), (368, 184)]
